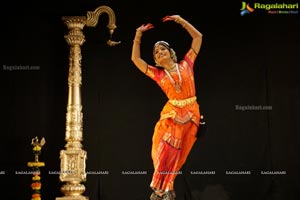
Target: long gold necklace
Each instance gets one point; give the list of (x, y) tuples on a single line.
[(177, 86)]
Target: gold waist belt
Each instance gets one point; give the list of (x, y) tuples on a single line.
[(183, 102)]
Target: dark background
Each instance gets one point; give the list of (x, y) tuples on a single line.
[(244, 60)]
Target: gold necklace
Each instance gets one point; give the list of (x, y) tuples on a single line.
[(177, 86)]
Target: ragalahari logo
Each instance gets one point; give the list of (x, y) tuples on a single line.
[(246, 9)]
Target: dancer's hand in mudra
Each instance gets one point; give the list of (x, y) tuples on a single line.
[(145, 27), (171, 18)]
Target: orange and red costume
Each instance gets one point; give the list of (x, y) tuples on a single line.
[(175, 132)]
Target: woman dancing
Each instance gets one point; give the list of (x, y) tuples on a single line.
[(176, 130)]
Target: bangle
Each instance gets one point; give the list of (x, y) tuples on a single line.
[(138, 33), (181, 21), (178, 19), (184, 23), (137, 41)]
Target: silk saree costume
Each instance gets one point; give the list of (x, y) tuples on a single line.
[(175, 132)]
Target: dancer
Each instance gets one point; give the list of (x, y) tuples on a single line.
[(176, 130)]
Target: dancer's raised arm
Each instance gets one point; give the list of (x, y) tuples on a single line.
[(194, 33), (136, 49)]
